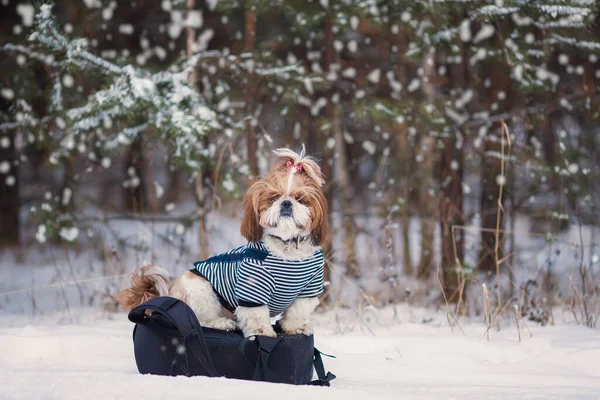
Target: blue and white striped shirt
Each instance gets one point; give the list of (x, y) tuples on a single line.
[(250, 275)]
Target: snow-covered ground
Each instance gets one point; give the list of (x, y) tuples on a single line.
[(394, 353)]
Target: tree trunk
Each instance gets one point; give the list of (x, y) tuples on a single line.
[(67, 204), (201, 174), (345, 190), (312, 134), (491, 172), (328, 159), (250, 47), (451, 214), (424, 179), (405, 154), (342, 179), (10, 202), (174, 193), (451, 195), (202, 211), (328, 245), (427, 207), (136, 199)]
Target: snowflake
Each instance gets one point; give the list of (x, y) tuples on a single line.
[(69, 234)]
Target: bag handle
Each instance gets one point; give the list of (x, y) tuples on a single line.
[(191, 330), (266, 345), (161, 306)]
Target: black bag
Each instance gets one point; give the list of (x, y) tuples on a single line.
[(170, 341)]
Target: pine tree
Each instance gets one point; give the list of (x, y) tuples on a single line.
[(159, 106), (492, 57)]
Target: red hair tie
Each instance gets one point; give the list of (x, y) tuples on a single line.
[(290, 164)]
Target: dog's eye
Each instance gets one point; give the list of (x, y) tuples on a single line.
[(302, 200)]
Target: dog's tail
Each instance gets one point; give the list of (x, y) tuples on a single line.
[(146, 283)]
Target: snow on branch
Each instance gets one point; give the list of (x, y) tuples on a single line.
[(25, 118), (135, 100), (581, 44), (556, 10), (14, 48), (47, 34), (573, 21), (495, 10), (126, 136)]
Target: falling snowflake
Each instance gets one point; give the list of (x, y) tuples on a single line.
[(369, 147), (69, 234), (40, 234), (160, 191), (374, 76), (573, 168), (7, 93), (484, 33), (465, 30)]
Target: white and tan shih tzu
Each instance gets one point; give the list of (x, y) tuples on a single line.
[(280, 270)]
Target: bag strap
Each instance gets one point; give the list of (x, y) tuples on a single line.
[(324, 378), (266, 345), (185, 322)]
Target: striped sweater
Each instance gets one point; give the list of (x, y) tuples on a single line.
[(251, 276)]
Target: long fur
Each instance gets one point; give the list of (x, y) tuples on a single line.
[(147, 283), (294, 177), (310, 166), (255, 321), (306, 189), (198, 293), (296, 318)]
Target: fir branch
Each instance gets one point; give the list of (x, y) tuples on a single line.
[(580, 44), (43, 58)]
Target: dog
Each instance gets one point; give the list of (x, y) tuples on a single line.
[(279, 271)]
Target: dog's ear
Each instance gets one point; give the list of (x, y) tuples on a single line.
[(319, 209), (251, 228)]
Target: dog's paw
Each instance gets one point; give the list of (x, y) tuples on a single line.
[(305, 329), (266, 331), (224, 324)]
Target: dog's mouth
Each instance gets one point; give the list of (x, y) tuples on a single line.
[(296, 223)]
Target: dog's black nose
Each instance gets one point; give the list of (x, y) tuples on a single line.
[(286, 204)]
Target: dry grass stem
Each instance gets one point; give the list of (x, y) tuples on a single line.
[(487, 308), (516, 310), (500, 211), (449, 313)]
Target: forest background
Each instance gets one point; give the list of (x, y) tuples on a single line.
[(459, 140)]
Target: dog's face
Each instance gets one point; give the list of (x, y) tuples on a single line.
[(288, 202)]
